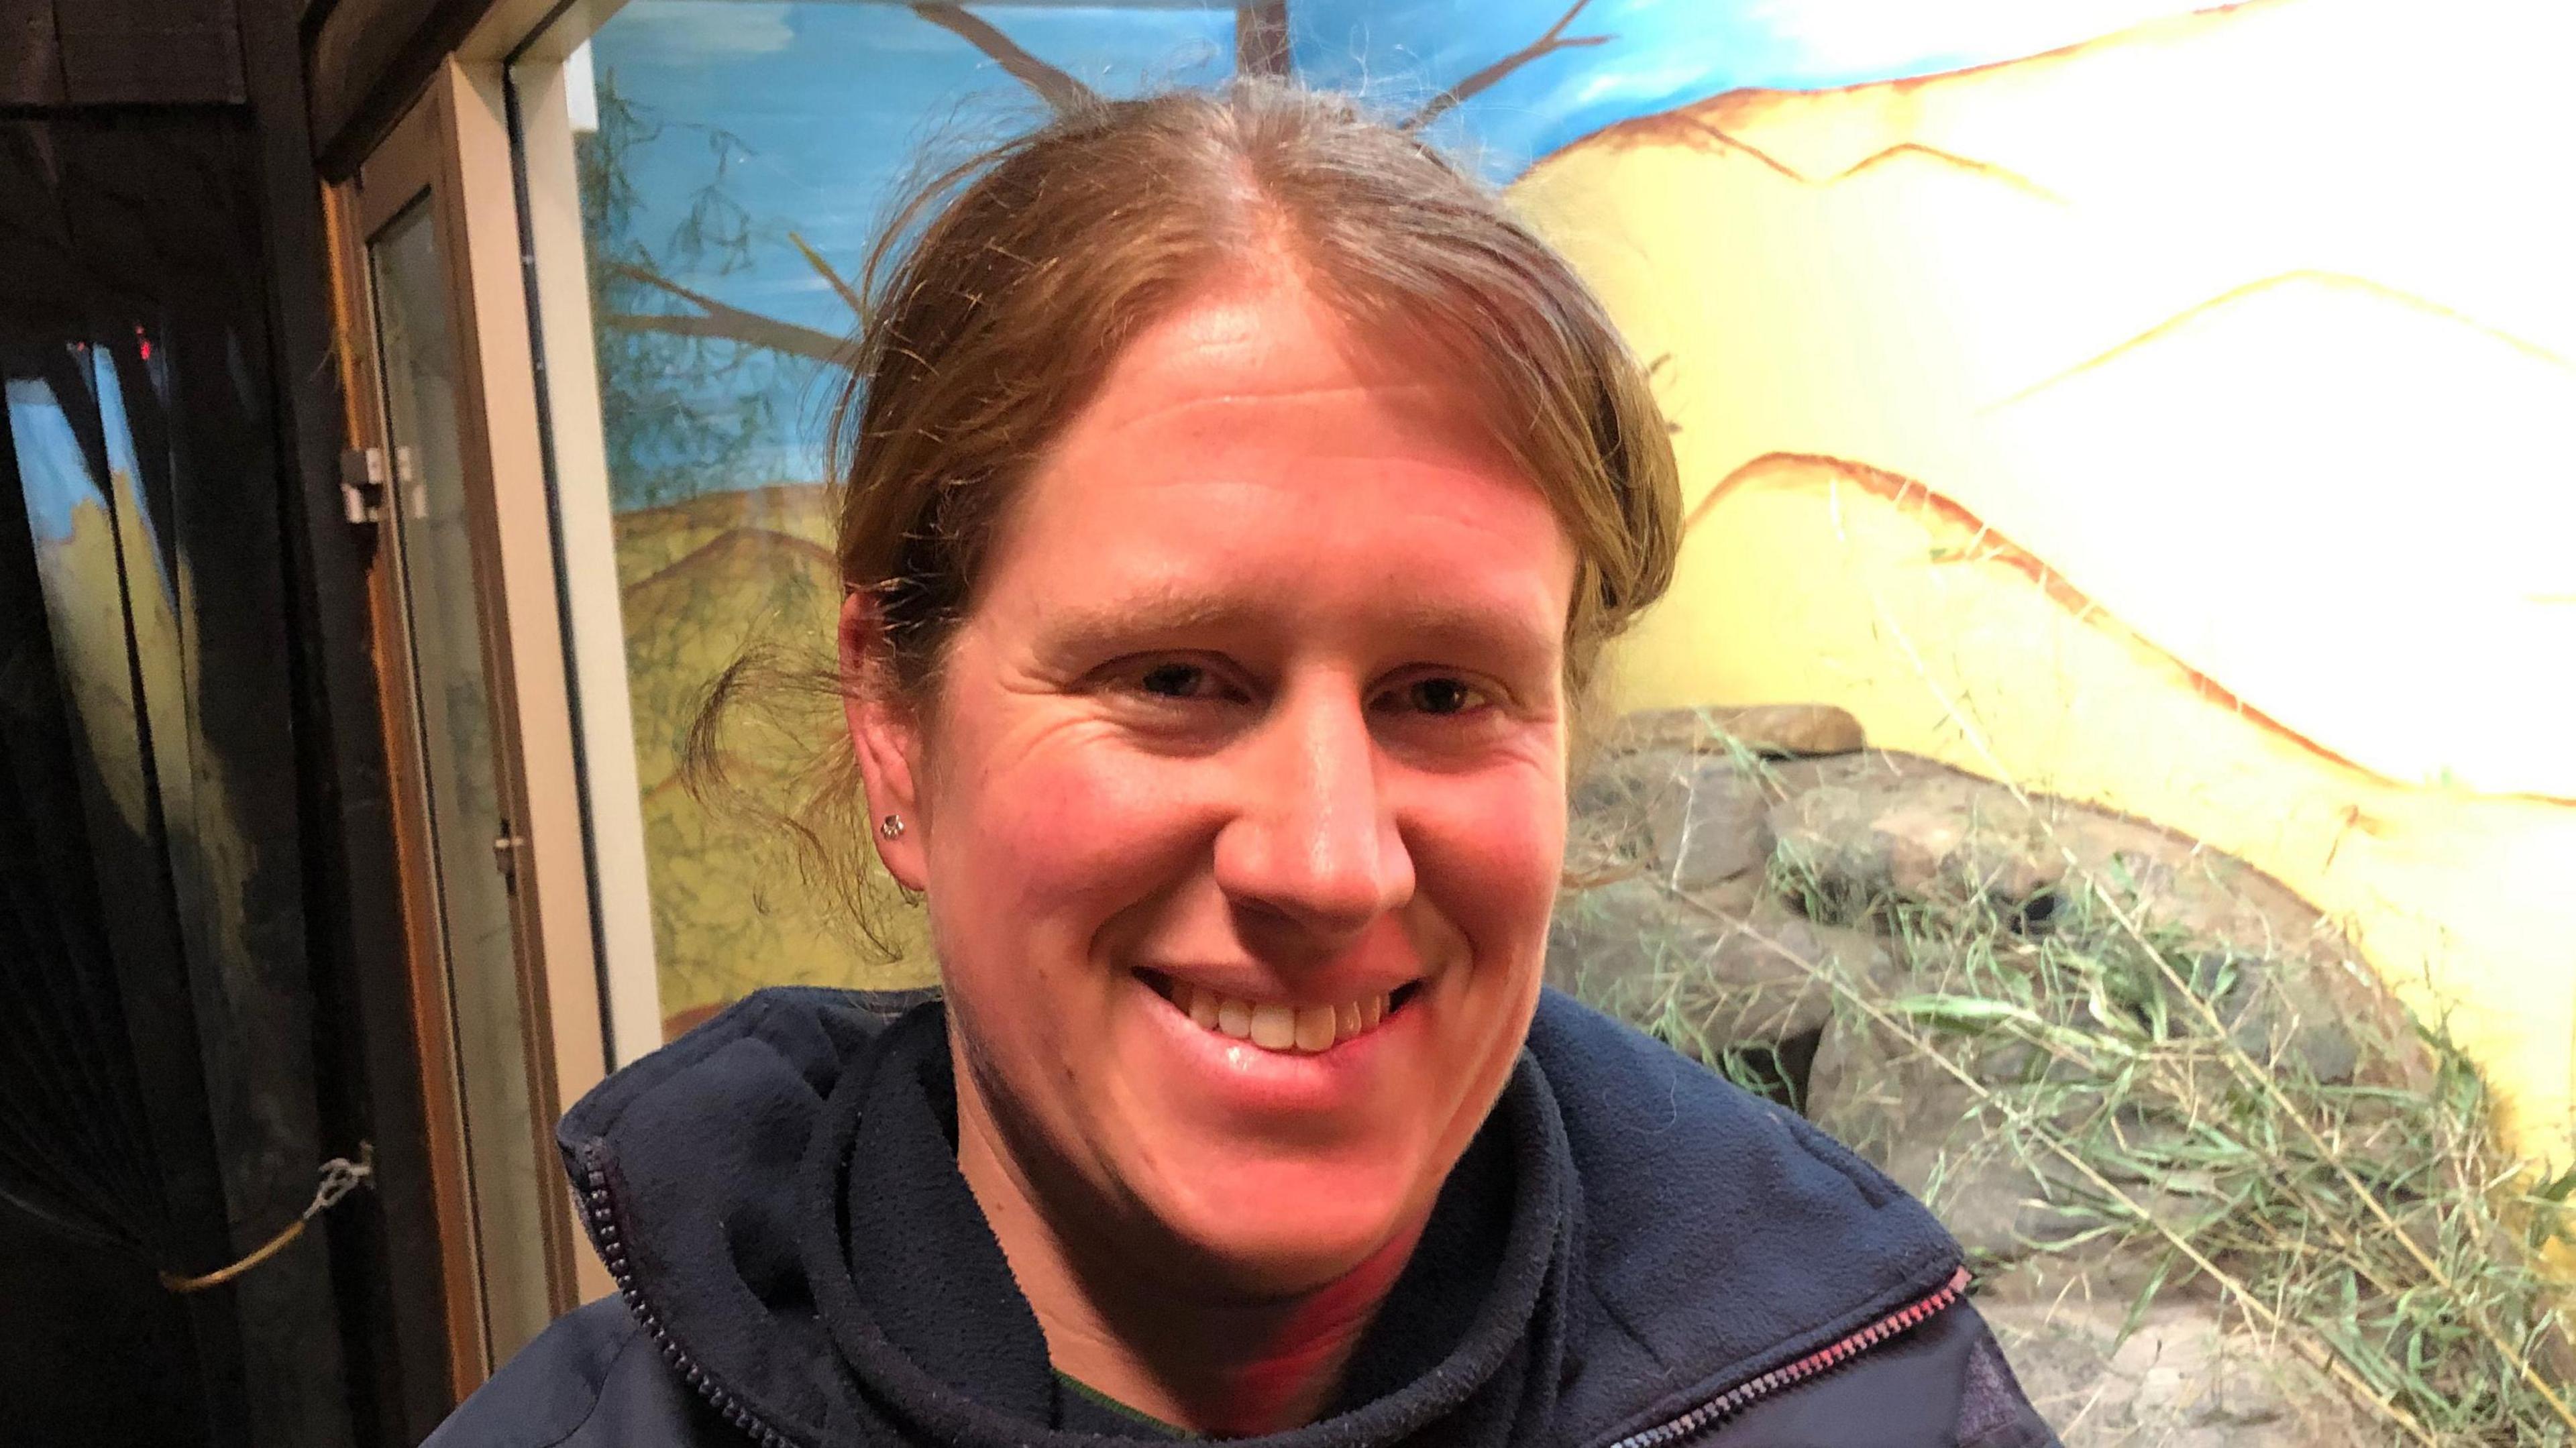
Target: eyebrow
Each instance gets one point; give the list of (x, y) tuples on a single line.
[(1161, 612), (1170, 612)]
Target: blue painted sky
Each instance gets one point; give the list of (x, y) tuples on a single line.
[(50, 466), (834, 102), (52, 471)]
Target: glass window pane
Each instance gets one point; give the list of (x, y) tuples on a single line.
[(427, 518)]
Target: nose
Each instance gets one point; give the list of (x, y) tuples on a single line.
[(1312, 841)]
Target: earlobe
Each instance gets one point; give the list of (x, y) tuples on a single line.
[(886, 740)]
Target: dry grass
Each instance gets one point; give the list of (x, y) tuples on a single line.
[(2366, 1223)]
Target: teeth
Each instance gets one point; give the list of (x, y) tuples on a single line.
[(1276, 1025)]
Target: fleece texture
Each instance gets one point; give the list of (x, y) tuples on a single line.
[(1627, 1239)]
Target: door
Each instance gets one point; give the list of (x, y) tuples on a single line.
[(476, 714)]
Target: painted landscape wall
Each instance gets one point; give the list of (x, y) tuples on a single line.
[(2165, 411)]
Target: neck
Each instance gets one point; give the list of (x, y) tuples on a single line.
[(1155, 1335)]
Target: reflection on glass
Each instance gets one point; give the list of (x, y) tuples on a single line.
[(427, 521), (77, 556), (152, 601)]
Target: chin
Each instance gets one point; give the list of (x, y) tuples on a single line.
[(1294, 1229)]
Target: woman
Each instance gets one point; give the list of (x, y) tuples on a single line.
[(1239, 503)]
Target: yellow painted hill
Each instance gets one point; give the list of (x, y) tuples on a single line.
[(2251, 332), (703, 583)]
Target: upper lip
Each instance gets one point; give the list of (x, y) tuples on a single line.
[(1242, 985)]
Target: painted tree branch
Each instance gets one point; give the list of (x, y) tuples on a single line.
[(1261, 38), (1056, 87), (719, 322), (1553, 41), (1261, 48), (848, 294)]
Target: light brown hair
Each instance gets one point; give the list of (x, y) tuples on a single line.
[(1005, 291)]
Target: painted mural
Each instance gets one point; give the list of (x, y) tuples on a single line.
[(2168, 411)]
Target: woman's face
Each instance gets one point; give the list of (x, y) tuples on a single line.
[(1241, 811)]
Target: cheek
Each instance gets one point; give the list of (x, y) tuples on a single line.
[(1064, 832), (1489, 854), (1033, 860)]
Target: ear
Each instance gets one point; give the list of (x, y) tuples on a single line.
[(886, 737)]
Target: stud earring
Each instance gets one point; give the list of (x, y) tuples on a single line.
[(891, 827)]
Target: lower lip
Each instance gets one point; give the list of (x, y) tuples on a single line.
[(1286, 1082)]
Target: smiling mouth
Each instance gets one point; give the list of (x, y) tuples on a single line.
[(1276, 1025)]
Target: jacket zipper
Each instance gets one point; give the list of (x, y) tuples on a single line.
[(1788, 1375), (599, 1216)]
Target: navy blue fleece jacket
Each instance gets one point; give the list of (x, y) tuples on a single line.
[(1632, 1254)]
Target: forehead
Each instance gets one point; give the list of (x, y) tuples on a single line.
[(1271, 351), (1252, 435)]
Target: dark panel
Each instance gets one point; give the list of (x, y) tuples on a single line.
[(366, 1060), (31, 64), (118, 971), (149, 52), (134, 341), (131, 1348), (367, 63), (207, 474)]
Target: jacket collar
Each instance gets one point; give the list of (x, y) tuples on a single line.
[(1628, 1236), (914, 1291)]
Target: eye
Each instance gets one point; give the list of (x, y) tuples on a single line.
[(1182, 680), (1438, 695), (1174, 680)]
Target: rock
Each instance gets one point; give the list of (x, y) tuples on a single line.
[(1729, 968), (1610, 826), (2181, 1377), (1939, 1137), (1779, 731), (1866, 831), (1879, 825), (1692, 820), (1870, 828), (1713, 829), (2285, 1020)]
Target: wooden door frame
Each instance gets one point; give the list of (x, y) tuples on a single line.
[(451, 151), (557, 256)]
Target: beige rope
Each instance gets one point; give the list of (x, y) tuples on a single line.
[(340, 1176)]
